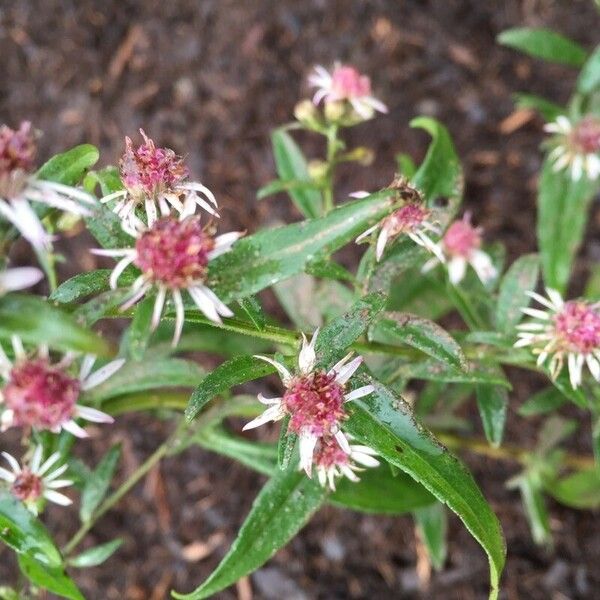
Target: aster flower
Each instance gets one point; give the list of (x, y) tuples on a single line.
[(314, 400), (19, 186), (332, 461), (563, 331), (18, 279), (173, 256), (577, 146), (413, 220), (156, 178), (345, 84), (30, 482), (39, 394), (461, 245)]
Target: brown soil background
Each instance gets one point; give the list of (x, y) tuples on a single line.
[(210, 79)]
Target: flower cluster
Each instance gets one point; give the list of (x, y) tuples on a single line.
[(19, 186), (314, 401), (576, 146), (563, 331)]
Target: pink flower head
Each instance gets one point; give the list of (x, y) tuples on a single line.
[(576, 146), (157, 179), (314, 400), (565, 330), (345, 84), (44, 396), (461, 246), (17, 149), (148, 171), (413, 220), (332, 461), (173, 256), (35, 480)]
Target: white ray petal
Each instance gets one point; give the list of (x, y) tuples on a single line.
[(343, 442), (364, 459), (204, 303), (19, 278), (179, 316), (457, 267), (75, 429), (7, 475), (365, 390), (348, 370), (102, 374), (307, 445), (58, 483), (159, 305), (49, 462), (118, 270), (12, 461), (93, 414), (268, 401), (57, 498), (536, 313), (272, 413), (285, 375), (36, 459)]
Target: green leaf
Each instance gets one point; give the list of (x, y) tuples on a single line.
[(139, 332), (233, 372), (548, 110), (405, 165), (336, 336), (262, 259), (545, 44), (280, 510), (328, 269), (95, 556), (492, 402), (592, 287), (519, 279), (147, 375), (279, 185), (251, 306), (37, 322), (25, 534), (432, 523), (296, 297), (589, 77), (69, 167), (286, 444), (81, 286), (535, 509), (579, 490), (425, 335), (291, 166), (97, 486), (542, 402), (562, 215), (386, 423), (53, 579)]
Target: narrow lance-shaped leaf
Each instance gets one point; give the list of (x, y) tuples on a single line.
[(589, 77), (53, 579), (291, 167), (432, 524), (562, 214), (385, 422), (545, 44), (280, 510), (69, 167), (96, 555), (425, 335), (96, 487), (492, 402)]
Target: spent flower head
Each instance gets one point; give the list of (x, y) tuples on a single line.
[(34, 480), (461, 246), (563, 331), (156, 179), (173, 255), (18, 278), (39, 394), (314, 400), (345, 84), (576, 146), (19, 186)]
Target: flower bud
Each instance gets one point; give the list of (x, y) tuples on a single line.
[(317, 170), (308, 114)]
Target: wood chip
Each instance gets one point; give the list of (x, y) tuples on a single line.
[(197, 551), (516, 120), (244, 589)]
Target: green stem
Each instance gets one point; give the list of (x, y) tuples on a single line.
[(467, 311), (332, 148)]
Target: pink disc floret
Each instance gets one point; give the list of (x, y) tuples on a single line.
[(27, 486), (578, 326), (149, 170), (175, 253), (17, 148), (585, 136), (40, 395), (329, 454), (348, 82), (408, 218), (315, 403), (462, 238)]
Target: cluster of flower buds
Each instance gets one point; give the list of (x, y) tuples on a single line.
[(314, 400)]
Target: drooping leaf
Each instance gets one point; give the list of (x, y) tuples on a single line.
[(425, 335), (262, 259), (53, 579), (548, 110), (519, 279), (589, 77), (69, 167), (432, 522), (579, 490), (545, 44), (97, 485), (36, 322), (562, 214), (291, 167), (24, 533), (535, 509), (233, 372), (385, 422), (280, 510), (95, 556), (492, 402)]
